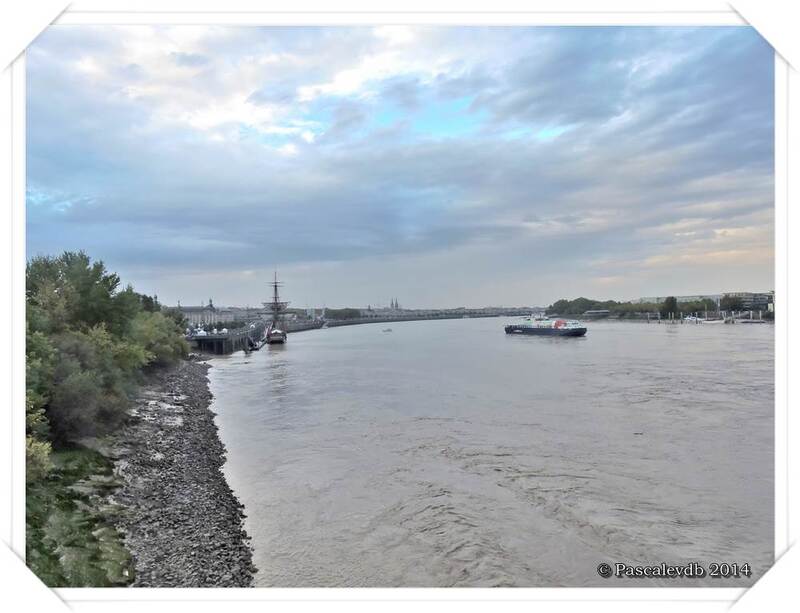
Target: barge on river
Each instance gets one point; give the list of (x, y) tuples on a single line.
[(544, 326)]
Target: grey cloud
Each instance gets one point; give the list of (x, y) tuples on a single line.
[(403, 90), (274, 93), (189, 59), (347, 117), (644, 153)]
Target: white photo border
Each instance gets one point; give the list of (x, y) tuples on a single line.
[(12, 88)]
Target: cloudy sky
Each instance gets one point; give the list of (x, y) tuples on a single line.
[(444, 166)]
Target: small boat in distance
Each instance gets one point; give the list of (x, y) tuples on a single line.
[(541, 325)]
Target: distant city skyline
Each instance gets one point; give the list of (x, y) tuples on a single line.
[(444, 166), (384, 306)]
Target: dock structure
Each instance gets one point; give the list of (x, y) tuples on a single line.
[(233, 340), (245, 338)]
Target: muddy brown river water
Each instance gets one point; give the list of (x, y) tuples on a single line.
[(446, 453)]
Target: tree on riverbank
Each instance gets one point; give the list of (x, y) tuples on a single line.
[(669, 307), (731, 303), (342, 313), (87, 342), (579, 306)]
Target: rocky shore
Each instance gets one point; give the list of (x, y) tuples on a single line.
[(182, 523)]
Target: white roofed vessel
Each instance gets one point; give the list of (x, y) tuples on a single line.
[(541, 325)]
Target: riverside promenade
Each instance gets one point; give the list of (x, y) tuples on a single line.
[(445, 314)]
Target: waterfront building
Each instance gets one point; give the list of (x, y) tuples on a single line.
[(239, 313), (751, 301), (694, 298), (200, 315), (597, 313), (755, 301)]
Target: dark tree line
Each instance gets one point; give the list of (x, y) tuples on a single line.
[(342, 313), (579, 306)]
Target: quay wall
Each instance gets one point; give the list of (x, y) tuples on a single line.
[(332, 323)]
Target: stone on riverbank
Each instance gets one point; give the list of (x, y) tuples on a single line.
[(182, 523)]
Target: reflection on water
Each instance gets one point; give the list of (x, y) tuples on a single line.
[(450, 454)]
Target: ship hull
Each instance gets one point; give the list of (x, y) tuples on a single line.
[(515, 329), (276, 338)]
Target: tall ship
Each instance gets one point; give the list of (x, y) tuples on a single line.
[(276, 334), (541, 325)]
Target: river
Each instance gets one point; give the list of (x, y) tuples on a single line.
[(447, 453)]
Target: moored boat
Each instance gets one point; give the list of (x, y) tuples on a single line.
[(276, 308), (275, 335), (544, 326)]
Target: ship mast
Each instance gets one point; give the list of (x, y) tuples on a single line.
[(276, 307)]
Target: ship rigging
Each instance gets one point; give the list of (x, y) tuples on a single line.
[(275, 310)]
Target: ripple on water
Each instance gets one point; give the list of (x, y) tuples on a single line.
[(427, 458)]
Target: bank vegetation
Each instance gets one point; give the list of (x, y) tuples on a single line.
[(89, 343)]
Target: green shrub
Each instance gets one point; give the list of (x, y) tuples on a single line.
[(35, 420), (37, 459), (73, 409), (87, 342), (160, 337)]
